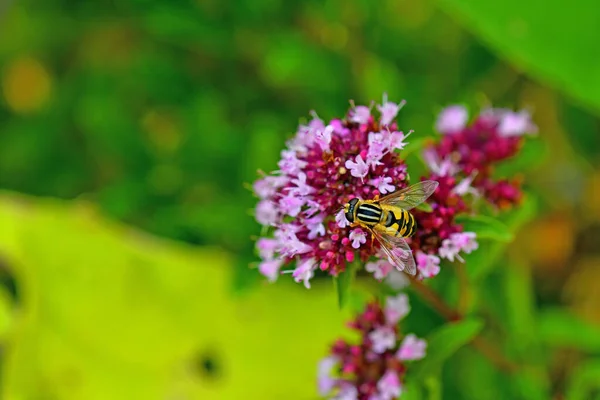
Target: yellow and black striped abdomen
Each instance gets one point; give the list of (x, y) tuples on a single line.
[(398, 222)]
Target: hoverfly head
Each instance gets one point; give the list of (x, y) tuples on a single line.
[(349, 209)]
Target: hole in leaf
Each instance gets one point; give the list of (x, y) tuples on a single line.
[(208, 365)]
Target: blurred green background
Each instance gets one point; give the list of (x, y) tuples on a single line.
[(158, 114)]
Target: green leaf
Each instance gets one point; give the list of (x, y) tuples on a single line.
[(343, 283), (584, 380), (486, 227), (520, 306), (130, 315), (443, 343), (561, 328), (521, 32)]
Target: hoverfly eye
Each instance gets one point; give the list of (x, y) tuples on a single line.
[(349, 217)]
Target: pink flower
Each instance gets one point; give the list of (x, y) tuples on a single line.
[(301, 189), (266, 248), (323, 137), (347, 393), (358, 237), (379, 268), (290, 164), (371, 369), (315, 226), (267, 186), (267, 213), (340, 219), (359, 169), (458, 242), (325, 382), (270, 269), (290, 205), (304, 272), (466, 241), (389, 110), (396, 308), (412, 348), (428, 264), (383, 184), (382, 339), (515, 123), (452, 119), (389, 386), (360, 114), (397, 140)]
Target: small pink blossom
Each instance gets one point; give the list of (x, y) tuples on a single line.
[(325, 382), (397, 140), (515, 123), (359, 168), (389, 386), (466, 241), (378, 147), (291, 205), (460, 241), (358, 237), (360, 114), (267, 213), (452, 119), (347, 392), (341, 220), (412, 348), (396, 308), (428, 264), (270, 269), (383, 184), (304, 272), (323, 137), (382, 339), (266, 248), (301, 189), (388, 110), (290, 164), (464, 187), (267, 186), (440, 168), (380, 268), (315, 226)]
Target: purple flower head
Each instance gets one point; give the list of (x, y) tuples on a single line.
[(375, 367), (323, 167), (494, 136)]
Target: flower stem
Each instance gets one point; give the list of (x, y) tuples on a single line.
[(484, 347)]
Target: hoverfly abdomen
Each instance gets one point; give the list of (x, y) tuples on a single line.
[(369, 213)]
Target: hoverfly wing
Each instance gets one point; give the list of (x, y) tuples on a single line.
[(411, 196), (397, 251)]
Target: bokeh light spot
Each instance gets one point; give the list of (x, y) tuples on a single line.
[(26, 85)]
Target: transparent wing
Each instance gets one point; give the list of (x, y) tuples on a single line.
[(398, 252), (411, 196)]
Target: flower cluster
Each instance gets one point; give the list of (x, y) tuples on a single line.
[(462, 162), (323, 167), (475, 148), (326, 165), (373, 369)]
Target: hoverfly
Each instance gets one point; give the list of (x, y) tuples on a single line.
[(388, 220)]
